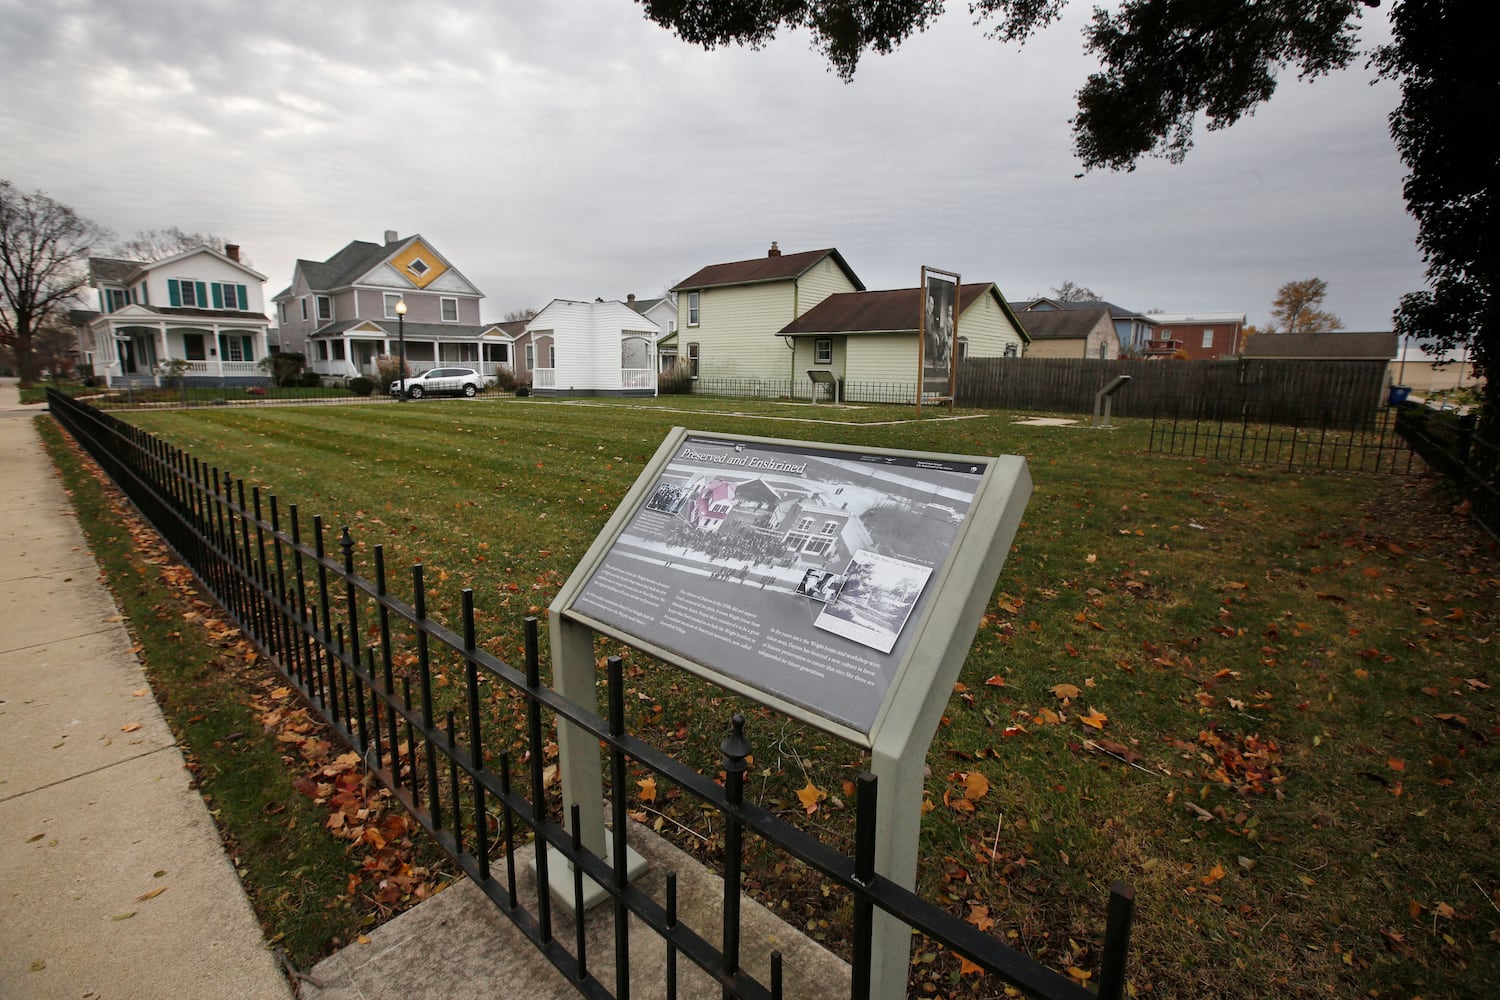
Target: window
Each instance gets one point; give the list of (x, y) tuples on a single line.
[(391, 298), (1012, 350), (815, 546), (188, 293), (693, 313), (115, 298), (530, 356), (418, 266), (236, 347), (1208, 337), (140, 294), (830, 528), (228, 295), (192, 347), (805, 524), (823, 351), (322, 350), (693, 359), (497, 353), (963, 348), (450, 310), (338, 350), (281, 312), (325, 308), (304, 307), (551, 355)]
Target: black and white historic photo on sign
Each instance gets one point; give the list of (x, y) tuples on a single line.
[(791, 569), (875, 600), (939, 304)]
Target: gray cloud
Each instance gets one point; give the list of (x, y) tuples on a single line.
[(578, 150)]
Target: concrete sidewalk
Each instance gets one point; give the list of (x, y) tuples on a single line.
[(97, 815), (95, 805)]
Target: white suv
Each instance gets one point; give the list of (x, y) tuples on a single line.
[(439, 381)]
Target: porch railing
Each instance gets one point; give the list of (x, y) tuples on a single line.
[(544, 378), (638, 378), (365, 662)]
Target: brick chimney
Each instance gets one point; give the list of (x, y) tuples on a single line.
[(232, 251), (630, 299), (390, 237), (775, 250)]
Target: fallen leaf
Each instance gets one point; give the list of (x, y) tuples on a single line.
[(976, 786), (152, 894), (1214, 874), (1065, 692), (810, 795), (123, 916), (130, 727), (1095, 719), (648, 789)]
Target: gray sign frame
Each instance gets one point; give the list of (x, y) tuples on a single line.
[(830, 638), (934, 641)]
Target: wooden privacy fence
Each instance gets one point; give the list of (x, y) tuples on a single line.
[(1346, 393)]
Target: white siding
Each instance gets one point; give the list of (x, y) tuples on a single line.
[(587, 342), (737, 325), (207, 268), (882, 357), (988, 330)]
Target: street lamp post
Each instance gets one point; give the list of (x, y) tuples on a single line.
[(401, 340)]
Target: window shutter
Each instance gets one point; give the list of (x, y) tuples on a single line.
[(240, 294), (174, 294), (218, 296), (202, 294)]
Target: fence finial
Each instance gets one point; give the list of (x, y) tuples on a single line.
[(735, 747)]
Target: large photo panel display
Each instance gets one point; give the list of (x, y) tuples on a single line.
[(794, 570)]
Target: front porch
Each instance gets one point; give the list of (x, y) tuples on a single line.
[(134, 354), (353, 354)]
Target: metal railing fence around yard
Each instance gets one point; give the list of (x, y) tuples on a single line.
[(1289, 443), (311, 613), (1464, 448)]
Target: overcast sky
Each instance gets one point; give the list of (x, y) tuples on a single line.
[(575, 149)]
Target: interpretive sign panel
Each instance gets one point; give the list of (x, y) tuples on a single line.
[(798, 573)]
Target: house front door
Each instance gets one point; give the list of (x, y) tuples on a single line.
[(364, 356)]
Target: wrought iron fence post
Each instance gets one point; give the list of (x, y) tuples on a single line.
[(736, 750)]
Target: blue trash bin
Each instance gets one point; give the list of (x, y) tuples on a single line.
[(1399, 394)]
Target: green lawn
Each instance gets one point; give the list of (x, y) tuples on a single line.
[(1287, 679)]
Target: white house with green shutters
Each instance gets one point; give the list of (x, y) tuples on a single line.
[(200, 307)]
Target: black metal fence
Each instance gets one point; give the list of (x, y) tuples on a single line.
[(1290, 442), (1464, 449), (356, 652), (850, 391)]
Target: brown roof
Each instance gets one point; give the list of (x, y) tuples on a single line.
[(1327, 346), (1064, 324), (895, 311), (782, 267)]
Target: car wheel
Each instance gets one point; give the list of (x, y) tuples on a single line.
[(470, 389), (414, 391)]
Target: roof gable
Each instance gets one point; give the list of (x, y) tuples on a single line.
[(781, 267), (896, 310), (1066, 324)]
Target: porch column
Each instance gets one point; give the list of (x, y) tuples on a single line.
[(161, 354), (218, 351)]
